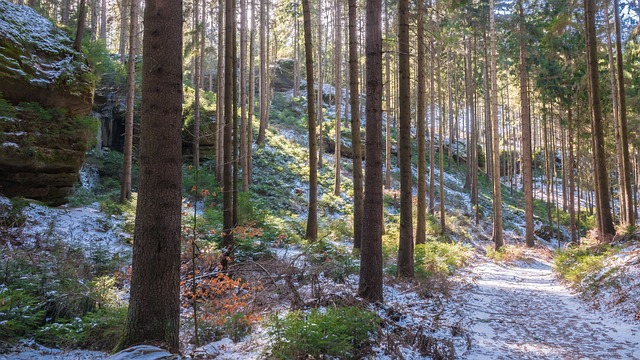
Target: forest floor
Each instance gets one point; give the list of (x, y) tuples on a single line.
[(520, 310)]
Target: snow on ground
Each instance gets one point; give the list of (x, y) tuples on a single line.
[(85, 227), (30, 350), (521, 311)]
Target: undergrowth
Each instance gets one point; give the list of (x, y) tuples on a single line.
[(340, 332), (580, 265)]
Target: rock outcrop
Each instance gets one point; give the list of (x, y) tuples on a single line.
[(46, 91)]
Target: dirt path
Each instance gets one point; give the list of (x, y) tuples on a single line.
[(520, 311)]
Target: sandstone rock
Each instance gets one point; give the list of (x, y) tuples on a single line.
[(46, 89)]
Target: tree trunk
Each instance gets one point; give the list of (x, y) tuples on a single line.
[(387, 132), (77, 45), (616, 115), (606, 226), (370, 286), (103, 21), (432, 131), (263, 75), (235, 130), (125, 190), (123, 31), (312, 219), (196, 84), (319, 98), (405, 250), (220, 107), (421, 225), (243, 95), (626, 164), (252, 91), (527, 157), (227, 176), (497, 194), (338, 87), (154, 307), (296, 56), (358, 208)]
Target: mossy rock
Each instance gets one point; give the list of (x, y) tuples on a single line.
[(38, 63)]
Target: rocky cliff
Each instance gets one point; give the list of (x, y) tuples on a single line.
[(46, 91)]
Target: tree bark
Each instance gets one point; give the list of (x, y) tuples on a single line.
[(263, 75), (77, 45), (525, 111), (196, 84), (421, 225), (154, 307), (312, 218), (103, 21), (220, 107), (252, 92), (358, 208), (606, 220), (227, 176), (243, 96), (626, 164), (405, 250), (319, 97), (370, 285), (497, 194), (338, 87), (125, 190)]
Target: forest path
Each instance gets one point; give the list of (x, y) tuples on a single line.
[(521, 311)]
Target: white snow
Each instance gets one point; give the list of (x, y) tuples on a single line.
[(521, 311)]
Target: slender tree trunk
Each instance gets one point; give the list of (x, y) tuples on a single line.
[(319, 96), (125, 190), (243, 96), (220, 106), (497, 195), (235, 130), (296, 56), (606, 226), (432, 119), (338, 87), (153, 316), (264, 95), (77, 45), (421, 225), (616, 114), (252, 92), (387, 132), (525, 111), (626, 164), (312, 219), (227, 176), (66, 4), (103, 21), (358, 208), (196, 85), (405, 250), (572, 184), (370, 286)]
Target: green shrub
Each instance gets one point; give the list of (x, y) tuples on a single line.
[(439, 258), (20, 314), (335, 261), (579, 265), (99, 330), (335, 332)]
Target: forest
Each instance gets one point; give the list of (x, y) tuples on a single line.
[(319, 179)]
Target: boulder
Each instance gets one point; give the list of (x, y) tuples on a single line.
[(282, 75), (46, 91)]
